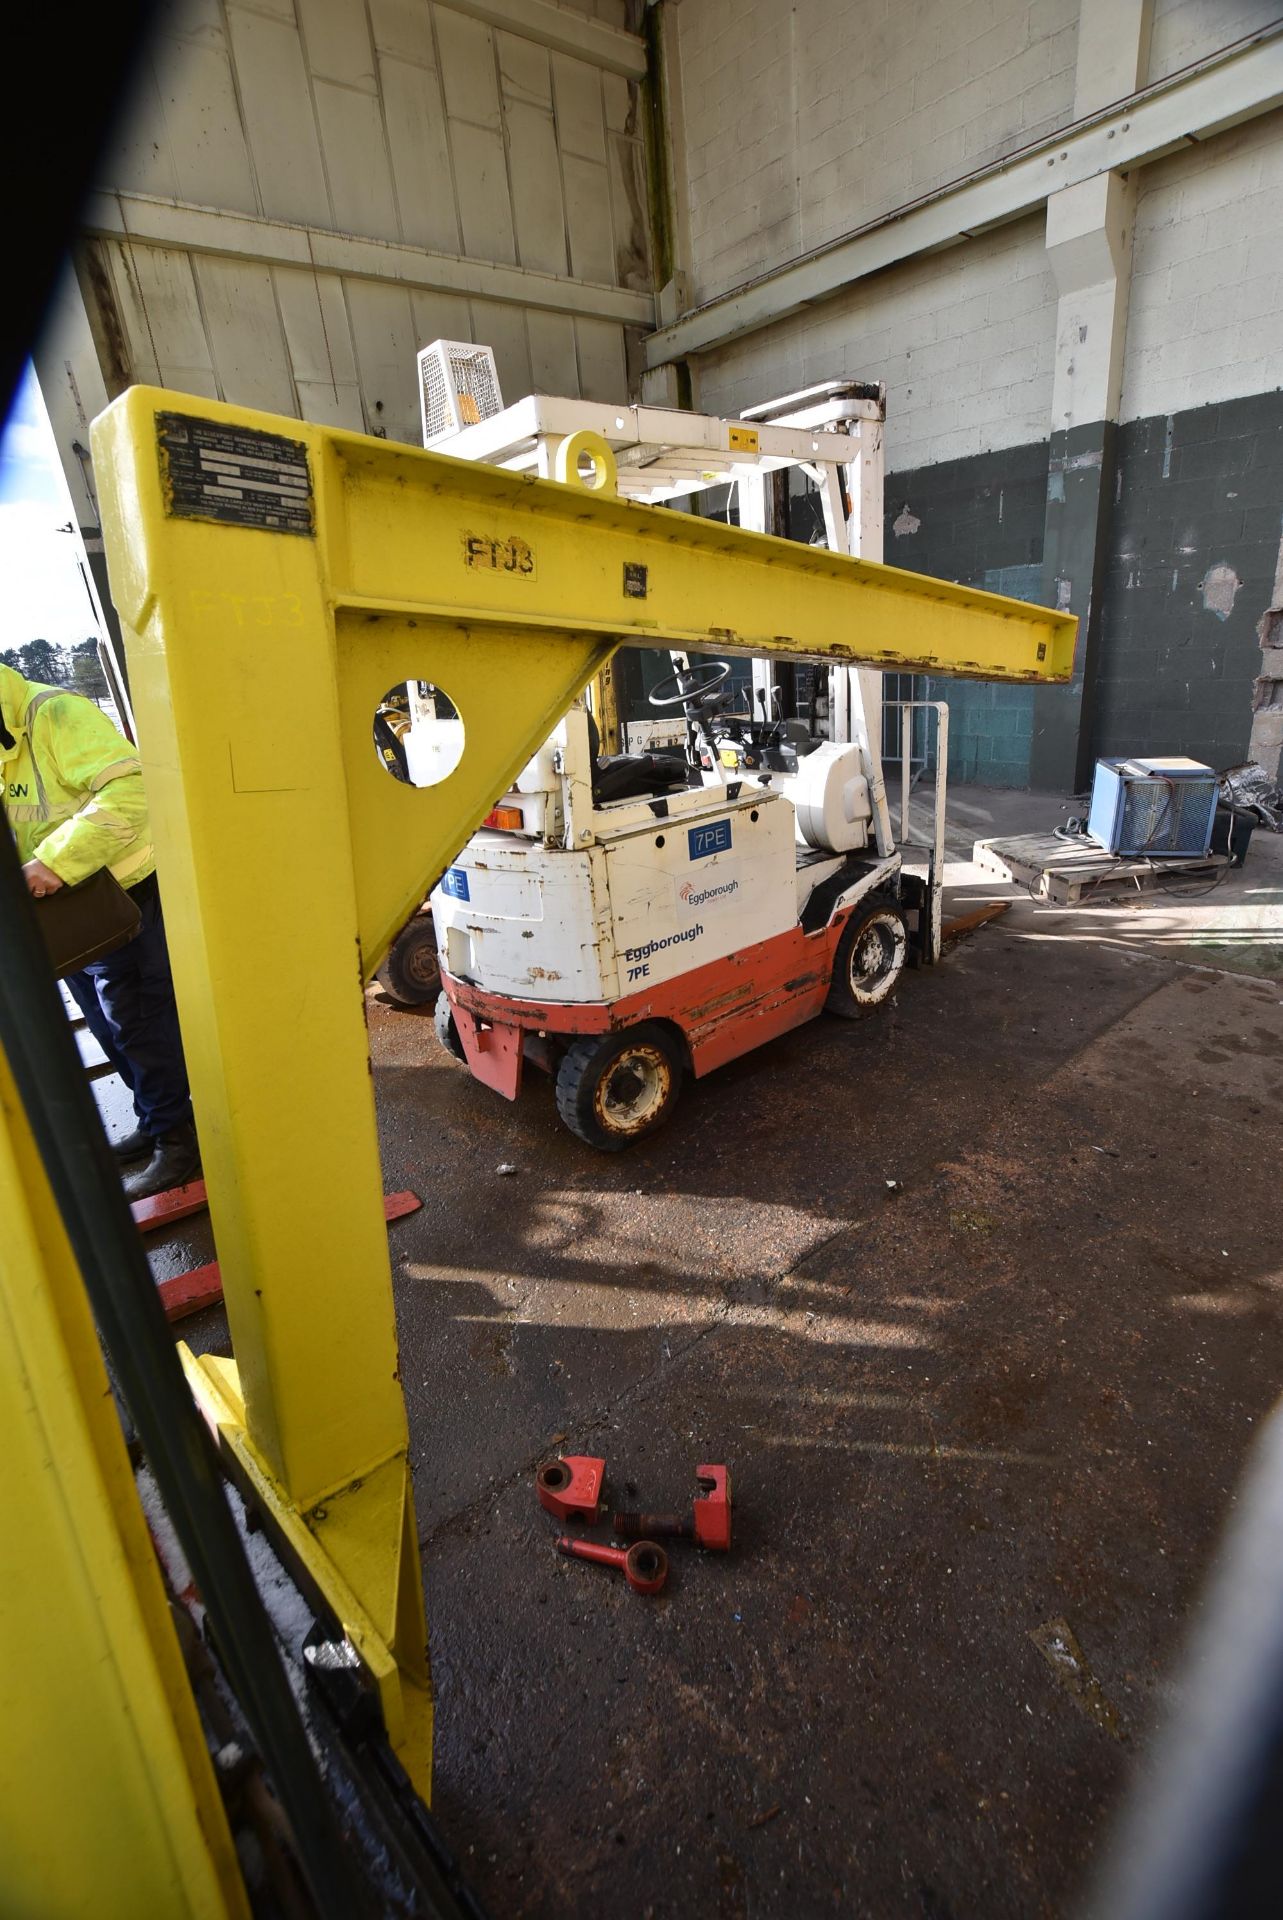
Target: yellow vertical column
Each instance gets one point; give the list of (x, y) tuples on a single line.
[(108, 1801), (231, 646)]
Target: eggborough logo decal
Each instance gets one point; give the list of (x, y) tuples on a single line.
[(696, 898)]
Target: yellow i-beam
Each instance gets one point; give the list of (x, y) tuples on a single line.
[(274, 580)]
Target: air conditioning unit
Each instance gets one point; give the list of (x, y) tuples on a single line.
[(458, 386), (1162, 809)]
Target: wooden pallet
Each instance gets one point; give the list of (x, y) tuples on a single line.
[(1067, 872)]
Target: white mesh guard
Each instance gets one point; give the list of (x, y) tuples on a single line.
[(458, 386)]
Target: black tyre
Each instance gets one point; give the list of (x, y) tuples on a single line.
[(446, 1031), (616, 1088), (869, 960), (411, 974)]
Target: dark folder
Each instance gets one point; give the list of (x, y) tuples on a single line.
[(86, 922)]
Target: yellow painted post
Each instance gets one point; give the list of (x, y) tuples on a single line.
[(108, 1801), (285, 853), (274, 580)]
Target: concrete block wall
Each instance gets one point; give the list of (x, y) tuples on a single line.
[(1196, 541), (805, 121), (978, 520), (1184, 31), (1205, 320), (965, 339)]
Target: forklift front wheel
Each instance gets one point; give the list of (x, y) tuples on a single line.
[(411, 974), (869, 959), (615, 1088), (446, 1031)]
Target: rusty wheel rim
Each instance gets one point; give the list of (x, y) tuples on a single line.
[(634, 1090)]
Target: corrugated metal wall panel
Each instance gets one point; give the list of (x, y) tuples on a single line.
[(351, 122), (403, 121), (276, 96), (202, 120), (553, 365), (538, 210), (318, 338), (504, 328), (592, 244), (418, 143), (602, 373), (163, 320), (244, 332), (386, 341), (336, 35)]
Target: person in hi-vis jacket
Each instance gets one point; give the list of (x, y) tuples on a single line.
[(73, 796)]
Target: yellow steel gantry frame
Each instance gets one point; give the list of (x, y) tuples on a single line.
[(274, 579)]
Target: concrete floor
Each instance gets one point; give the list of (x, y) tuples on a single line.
[(984, 1423)]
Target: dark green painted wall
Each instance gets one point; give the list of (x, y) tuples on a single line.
[(1191, 535), (979, 521), (1193, 492)]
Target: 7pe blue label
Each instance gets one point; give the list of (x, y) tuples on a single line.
[(715, 838)]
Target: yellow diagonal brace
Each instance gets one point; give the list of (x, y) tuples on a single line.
[(274, 580)]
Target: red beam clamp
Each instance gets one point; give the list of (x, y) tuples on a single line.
[(710, 1522), (643, 1565), (571, 1488), (712, 1508)]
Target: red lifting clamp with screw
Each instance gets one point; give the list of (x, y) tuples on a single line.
[(645, 1566), (571, 1489), (710, 1522)]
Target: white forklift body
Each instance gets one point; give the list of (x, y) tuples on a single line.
[(708, 907), (586, 903), (622, 920)]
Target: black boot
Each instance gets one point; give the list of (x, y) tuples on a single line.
[(175, 1161), (135, 1146)]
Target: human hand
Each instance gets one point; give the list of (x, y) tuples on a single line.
[(40, 879)]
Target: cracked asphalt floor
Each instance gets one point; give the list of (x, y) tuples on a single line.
[(985, 1425)]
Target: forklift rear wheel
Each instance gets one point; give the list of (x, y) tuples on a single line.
[(446, 1031), (615, 1088), (411, 974), (869, 959)]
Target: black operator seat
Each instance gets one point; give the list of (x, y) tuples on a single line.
[(631, 776)]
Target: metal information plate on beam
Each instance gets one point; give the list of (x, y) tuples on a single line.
[(235, 474)]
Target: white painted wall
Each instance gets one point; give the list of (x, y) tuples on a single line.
[(1206, 315), (964, 341), (396, 120), (804, 121), (1188, 30)]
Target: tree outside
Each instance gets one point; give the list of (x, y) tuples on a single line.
[(77, 667), (87, 676)]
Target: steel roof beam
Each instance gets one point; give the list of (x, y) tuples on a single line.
[(144, 220), (1192, 106), (554, 26)]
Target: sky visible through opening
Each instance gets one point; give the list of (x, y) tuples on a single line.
[(42, 593)]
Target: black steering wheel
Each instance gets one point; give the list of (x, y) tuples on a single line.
[(695, 688)]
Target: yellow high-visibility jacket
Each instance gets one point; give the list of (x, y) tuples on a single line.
[(72, 785)]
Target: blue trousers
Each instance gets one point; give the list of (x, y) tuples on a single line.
[(128, 1003)]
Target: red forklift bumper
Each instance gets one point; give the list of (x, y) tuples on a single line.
[(721, 1010), (494, 1030)]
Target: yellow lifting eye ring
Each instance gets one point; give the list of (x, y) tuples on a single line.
[(586, 445)]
